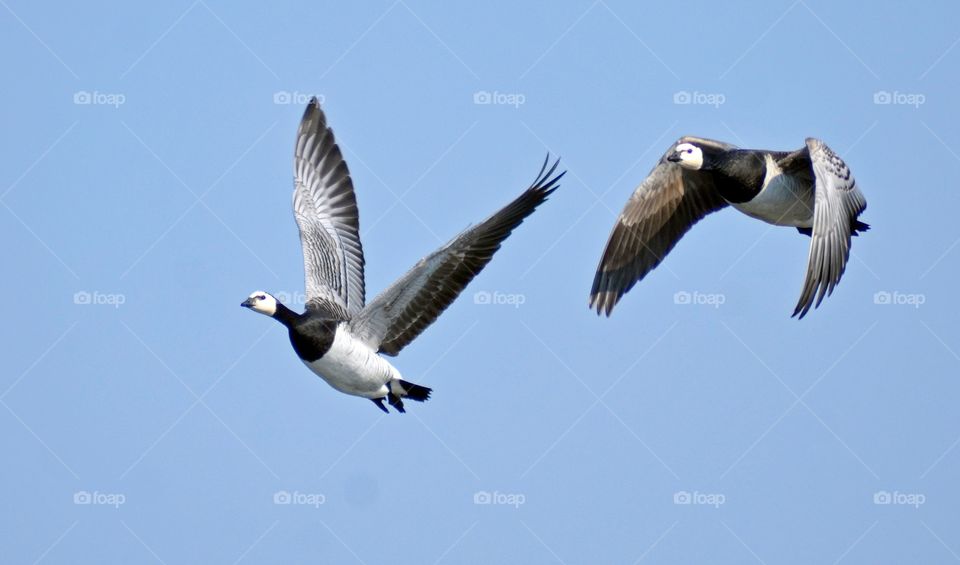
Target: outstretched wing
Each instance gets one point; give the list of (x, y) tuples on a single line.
[(665, 205), (837, 203), (326, 212), (400, 313)]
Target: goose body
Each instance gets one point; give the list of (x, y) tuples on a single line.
[(810, 189), (347, 364), (782, 199), (339, 336)]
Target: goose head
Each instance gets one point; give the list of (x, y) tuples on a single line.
[(262, 302), (689, 156)]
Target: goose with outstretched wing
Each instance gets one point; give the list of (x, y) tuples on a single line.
[(810, 189), (338, 336)]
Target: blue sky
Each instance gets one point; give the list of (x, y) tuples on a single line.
[(145, 191)]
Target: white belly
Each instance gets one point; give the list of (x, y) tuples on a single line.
[(351, 367), (783, 200)]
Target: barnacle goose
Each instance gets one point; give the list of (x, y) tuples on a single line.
[(811, 189), (339, 337)]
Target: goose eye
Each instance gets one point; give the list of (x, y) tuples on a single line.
[(261, 297), (689, 150)]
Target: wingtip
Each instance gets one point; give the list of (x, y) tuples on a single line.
[(312, 113), (602, 302), (546, 182), (802, 309), (543, 167), (608, 310)]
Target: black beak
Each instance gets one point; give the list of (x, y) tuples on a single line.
[(674, 157), (248, 303)]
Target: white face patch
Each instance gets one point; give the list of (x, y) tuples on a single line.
[(261, 302), (691, 156)]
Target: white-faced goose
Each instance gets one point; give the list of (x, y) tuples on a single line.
[(339, 337), (810, 189)]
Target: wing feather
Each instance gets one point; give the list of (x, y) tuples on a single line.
[(837, 204), (661, 210), (325, 208), (401, 312)]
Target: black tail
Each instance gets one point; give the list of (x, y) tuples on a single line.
[(398, 393), (415, 392), (856, 227)]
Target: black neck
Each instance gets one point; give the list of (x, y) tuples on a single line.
[(739, 175), (285, 315)]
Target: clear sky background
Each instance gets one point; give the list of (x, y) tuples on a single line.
[(145, 192)]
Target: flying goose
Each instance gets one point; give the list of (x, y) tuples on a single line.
[(811, 189), (338, 337)]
